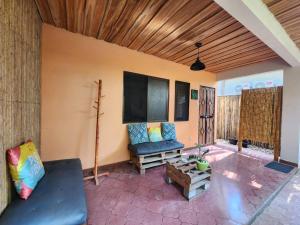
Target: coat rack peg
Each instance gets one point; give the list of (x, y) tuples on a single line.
[(97, 107), (96, 82)]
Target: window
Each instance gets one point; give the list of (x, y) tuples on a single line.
[(146, 99), (182, 97)]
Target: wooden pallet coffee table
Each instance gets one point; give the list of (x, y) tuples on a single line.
[(193, 181)]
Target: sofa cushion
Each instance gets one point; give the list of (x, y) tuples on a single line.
[(138, 133), (155, 147), (58, 199), (168, 131), (154, 134), (26, 168)]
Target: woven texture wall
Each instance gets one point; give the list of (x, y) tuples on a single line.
[(20, 28), (228, 114), (260, 116)]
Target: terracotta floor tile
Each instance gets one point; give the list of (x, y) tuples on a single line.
[(284, 208), (239, 185)]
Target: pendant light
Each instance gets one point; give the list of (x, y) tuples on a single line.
[(197, 65)]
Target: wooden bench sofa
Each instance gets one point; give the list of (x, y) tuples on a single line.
[(151, 154)]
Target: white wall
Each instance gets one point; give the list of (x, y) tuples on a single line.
[(235, 86), (290, 128)]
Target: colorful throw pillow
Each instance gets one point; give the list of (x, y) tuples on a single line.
[(155, 134), (168, 131), (26, 168), (138, 133)]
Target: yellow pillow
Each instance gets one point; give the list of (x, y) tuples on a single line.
[(154, 134)]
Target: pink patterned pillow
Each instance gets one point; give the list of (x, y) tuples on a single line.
[(26, 168)]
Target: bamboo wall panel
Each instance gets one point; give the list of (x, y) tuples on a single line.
[(166, 29), (260, 117), (20, 29), (228, 114)]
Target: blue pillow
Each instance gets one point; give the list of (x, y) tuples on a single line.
[(168, 131), (138, 133)]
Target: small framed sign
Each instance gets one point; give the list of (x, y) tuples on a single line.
[(194, 94)]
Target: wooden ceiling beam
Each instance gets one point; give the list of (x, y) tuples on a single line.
[(207, 28), (169, 29), (257, 18), (141, 22), (117, 34), (249, 51), (75, 15), (241, 62), (175, 39), (282, 6), (230, 45), (93, 17), (183, 16), (287, 12), (122, 20), (231, 51), (223, 38), (289, 15), (58, 11), (162, 16), (112, 13), (44, 11)]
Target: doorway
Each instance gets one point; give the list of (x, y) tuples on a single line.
[(206, 115)]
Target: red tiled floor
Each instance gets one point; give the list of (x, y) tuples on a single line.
[(284, 208), (240, 183)]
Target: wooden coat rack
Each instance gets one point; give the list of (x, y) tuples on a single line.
[(97, 107)]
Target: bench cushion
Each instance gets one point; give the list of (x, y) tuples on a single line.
[(154, 147), (58, 199)]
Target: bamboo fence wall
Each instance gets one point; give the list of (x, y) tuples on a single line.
[(228, 114), (20, 28), (260, 117)]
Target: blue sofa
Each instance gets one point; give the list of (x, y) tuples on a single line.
[(155, 147), (58, 199)]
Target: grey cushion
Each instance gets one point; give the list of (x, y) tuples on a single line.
[(154, 147), (58, 199)]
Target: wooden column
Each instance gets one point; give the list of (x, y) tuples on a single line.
[(277, 122)]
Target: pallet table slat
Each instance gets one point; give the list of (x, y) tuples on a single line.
[(185, 174), (200, 177), (152, 159), (146, 161)]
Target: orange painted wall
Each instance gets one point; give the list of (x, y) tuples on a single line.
[(70, 65)]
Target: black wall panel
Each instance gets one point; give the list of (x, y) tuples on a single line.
[(146, 99), (182, 100)]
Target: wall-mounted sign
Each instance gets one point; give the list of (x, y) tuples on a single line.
[(194, 94)]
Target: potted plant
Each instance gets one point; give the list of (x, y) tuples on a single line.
[(245, 143), (233, 141), (202, 164)]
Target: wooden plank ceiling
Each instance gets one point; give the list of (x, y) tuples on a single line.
[(287, 12), (164, 28)]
